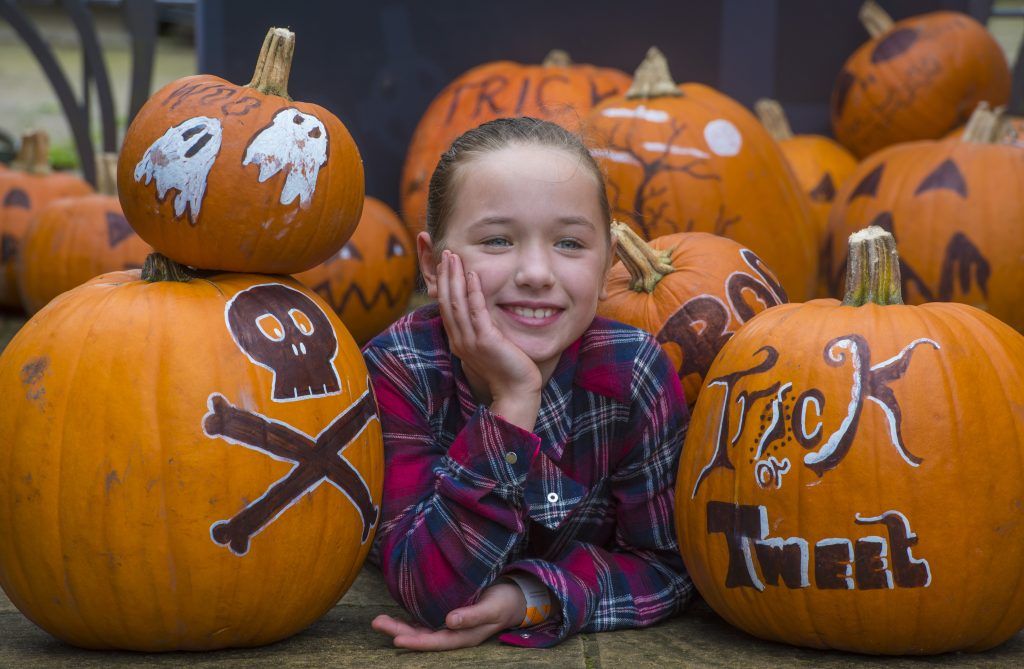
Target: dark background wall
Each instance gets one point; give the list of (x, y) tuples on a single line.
[(377, 65)]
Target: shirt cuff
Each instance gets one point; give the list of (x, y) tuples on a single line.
[(494, 448)]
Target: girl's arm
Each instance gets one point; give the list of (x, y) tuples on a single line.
[(640, 579), (451, 516)]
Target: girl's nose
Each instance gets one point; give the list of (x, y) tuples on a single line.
[(534, 270)]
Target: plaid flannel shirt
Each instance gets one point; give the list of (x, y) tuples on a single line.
[(584, 502)]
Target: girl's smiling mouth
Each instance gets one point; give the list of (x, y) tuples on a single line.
[(533, 315)]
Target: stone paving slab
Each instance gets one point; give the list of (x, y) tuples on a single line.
[(343, 638)]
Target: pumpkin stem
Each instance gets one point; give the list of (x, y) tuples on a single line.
[(985, 126), (774, 119), (646, 266), (873, 269), (106, 173), (34, 154), (875, 19), (275, 63), (159, 267), (652, 79), (557, 58)]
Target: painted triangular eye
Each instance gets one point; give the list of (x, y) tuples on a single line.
[(350, 252), (946, 176), (825, 191), (17, 198), (118, 229), (395, 247), (869, 184), (893, 44)]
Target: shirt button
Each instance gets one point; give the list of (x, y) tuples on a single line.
[(552, 497), (511, 458), (525, 635)]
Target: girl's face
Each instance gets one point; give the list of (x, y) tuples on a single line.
[(527, 220)]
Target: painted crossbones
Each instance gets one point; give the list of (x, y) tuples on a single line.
[(316, 460)]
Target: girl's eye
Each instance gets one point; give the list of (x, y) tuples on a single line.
[(497, 241), (571, 244)]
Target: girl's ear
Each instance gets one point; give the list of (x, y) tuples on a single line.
[(428, 266), (607, 266)]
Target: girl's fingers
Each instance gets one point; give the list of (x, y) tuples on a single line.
[(394, 627), (446, 639), (458, 299), (444, 300), (478, 314)]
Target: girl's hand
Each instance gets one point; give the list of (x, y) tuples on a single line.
[(501, 607), (489, 359)]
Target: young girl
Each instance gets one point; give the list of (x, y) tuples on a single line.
[(530, 446)]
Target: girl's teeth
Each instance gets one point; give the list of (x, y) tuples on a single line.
[(532, 313)]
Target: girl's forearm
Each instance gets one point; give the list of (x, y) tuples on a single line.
[(520, 409)]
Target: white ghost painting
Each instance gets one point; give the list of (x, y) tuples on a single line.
[(294, 141), (181, 159)]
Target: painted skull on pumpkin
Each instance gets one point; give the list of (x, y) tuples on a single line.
[(284, 331)]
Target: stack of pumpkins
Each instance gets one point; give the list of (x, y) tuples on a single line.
[(193, 455)]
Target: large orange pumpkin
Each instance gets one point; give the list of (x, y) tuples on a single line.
[(369, 281), (915, 79), (24, 189), (852, 474), (690, 159), (691, 290), (557, 90), (187, 464), (73, 239), (954, 207), (241, 178)]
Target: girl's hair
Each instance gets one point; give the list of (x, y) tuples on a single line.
[(492, 136)]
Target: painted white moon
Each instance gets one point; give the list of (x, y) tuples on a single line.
[(181, 159), (295, 141), (723, 137)]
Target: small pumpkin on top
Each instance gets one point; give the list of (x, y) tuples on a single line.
[(691, 290), (241, 178), (915, 79), (73, 239)]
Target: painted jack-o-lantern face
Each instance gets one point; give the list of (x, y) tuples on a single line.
[(240, 178), (681, 162), (369, 281), (917, 80), (556, 91), (953, 208)]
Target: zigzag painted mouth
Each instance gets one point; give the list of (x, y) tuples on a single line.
[(382, 292)]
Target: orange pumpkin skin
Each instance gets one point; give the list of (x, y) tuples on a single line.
[(718, 285), (271, 186), (70, 241), (685, 164), (821, 166), (21, 195), (954, 566), (559, 93), (918, 80), (369, 281), (955, 210), (110, 513)]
